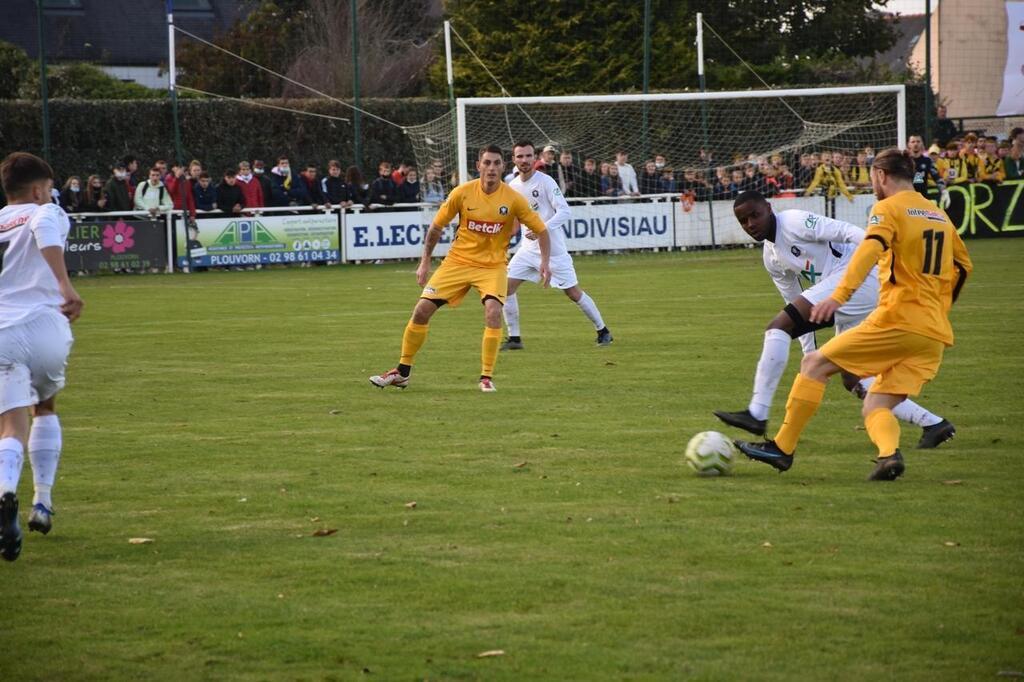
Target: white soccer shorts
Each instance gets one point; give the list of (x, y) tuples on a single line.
[(853, 312), (33, 357), (526, 266)]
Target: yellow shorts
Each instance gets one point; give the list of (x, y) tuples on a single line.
[(902, 361), (451, 282)]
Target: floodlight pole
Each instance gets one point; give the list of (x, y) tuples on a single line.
[(448, 64), (43, 95), (356, 118), (704, 124), (172, 83)]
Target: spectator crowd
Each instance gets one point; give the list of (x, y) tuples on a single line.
[(958, 159)]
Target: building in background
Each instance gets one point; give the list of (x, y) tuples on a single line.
[(125, 38)]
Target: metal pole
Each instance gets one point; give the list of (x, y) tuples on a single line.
[(356, 119), (448, 64), (172, 83), (42, 83), (647, 75), (927, 72), (708, 175)]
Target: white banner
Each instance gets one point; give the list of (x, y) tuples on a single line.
[(693, 226), (383, 235), (1012, 101), (610, 226)]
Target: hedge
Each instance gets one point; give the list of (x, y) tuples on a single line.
[(87, 136)]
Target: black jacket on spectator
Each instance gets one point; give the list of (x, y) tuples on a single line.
[(588, 184), (945, 130), (313, 191), (228, 196), (118, 198), (359, 195), (408, 192), (804, 176), (570, 176), (205, 198), (383, 191), (334, 190), (650, 184), (72, 202), (268, 189)]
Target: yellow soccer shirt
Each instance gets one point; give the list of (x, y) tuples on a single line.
[(922, 268), (487, 223)]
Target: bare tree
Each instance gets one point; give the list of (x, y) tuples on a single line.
[(393, 55)]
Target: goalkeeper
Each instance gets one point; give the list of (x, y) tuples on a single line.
[(924, 168)]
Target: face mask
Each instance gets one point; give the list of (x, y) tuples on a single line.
[(120, 175), (247, 177), (285, 171), (257, 171), (658, 165), (75, 188)]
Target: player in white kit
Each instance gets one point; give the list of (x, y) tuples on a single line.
[(544, 196), (37, 305), (801, 245)]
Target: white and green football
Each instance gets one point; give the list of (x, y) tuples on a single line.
[(710, 453)]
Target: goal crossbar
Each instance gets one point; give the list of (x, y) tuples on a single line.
[(462, 103)]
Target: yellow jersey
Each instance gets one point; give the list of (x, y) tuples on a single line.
[(487, 223), (923, 265)]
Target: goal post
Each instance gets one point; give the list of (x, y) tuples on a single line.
[(741, 122)]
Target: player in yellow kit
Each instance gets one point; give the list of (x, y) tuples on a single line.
[(487, 210), (922, 265)]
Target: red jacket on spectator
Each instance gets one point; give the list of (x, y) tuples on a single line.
[(251, 190), (180, 190)]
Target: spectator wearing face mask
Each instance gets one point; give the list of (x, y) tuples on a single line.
[(282, 182), (266, 186), (71, 196), (382, 191), (409, 191), (117, 190), (131, 166), (250, 186), (93, 199)]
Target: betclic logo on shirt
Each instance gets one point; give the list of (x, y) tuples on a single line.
[(485, 226)]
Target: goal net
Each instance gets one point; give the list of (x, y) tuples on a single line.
[(708, 133)]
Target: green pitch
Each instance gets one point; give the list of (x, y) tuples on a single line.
[(227, 417)]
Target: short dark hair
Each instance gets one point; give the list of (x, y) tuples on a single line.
[(230, 173), (490, 149), (283, 158), (21, 169), (895, 162), (204, 174), (748, 195), (334, 163), (524, 143), (311, 165), (129, 160)]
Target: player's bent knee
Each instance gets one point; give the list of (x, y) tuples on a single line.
[(425, 309), (798, 323), (852, 384), (783, 322), (45, 407)]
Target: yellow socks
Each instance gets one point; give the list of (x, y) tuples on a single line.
[(884, 431), (489, 350), (412, 340), (804, 398)]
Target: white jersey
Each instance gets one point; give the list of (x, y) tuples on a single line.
[(544, 197), (27, 285), (809, 246)]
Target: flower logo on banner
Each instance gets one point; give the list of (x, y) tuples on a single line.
[(118, 237)]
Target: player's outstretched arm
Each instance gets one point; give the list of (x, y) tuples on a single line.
[(72, 306), (864, 258), (429, 242), (961, 263)]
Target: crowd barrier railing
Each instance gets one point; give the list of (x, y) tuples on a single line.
[(170, 239)]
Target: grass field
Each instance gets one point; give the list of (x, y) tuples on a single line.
[(227, 416)]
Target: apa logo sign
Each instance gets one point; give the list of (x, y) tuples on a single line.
[(244, 232)]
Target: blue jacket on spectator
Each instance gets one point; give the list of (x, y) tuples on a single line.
[(383, 191), (296, 193), (205, 198)]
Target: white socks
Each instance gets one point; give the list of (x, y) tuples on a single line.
[(44, 443), (908, 411), (774, 356), (589, 309), (11, 459), (511, 312)]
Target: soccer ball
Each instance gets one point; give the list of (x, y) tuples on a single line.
[(710, 453)]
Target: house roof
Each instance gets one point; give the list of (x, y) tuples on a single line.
[(910, 29), (121, 32)]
